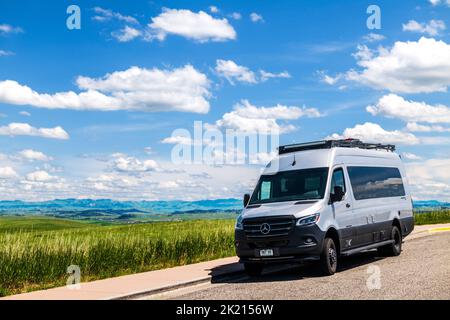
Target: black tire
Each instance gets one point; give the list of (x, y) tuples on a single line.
[(394, 249), (329, 257), (253, 269)]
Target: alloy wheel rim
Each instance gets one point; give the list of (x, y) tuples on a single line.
[(332, 256), (397, 240)]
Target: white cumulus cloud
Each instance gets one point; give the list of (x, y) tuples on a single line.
[(198, 26), (394, 106), (326, 78), (4, 53), (246, 117), (126, 34), (432, 28), (7, 173), (213, 9), (246, 109), (264, 75), (440, 2), (374, 37), (429, 179), (236, 16), (411, 156), (416, 127), (233, 72), (182, 140), (130, 164), (40, 176), (107, 14), (407, 67), (32, 155), (255, 17), (374, 133), (9, 29), (24, 129), (180, 89)]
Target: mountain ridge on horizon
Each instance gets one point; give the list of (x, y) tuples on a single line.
[(148, 206)]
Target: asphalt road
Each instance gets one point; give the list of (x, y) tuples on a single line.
[(422, 271)]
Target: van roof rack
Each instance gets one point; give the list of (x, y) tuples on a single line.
[(328, 144)]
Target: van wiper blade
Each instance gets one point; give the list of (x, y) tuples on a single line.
[(306, 201)]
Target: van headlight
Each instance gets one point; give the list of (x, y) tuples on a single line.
[(239, 225), (308, 220)]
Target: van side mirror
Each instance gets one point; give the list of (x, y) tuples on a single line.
[(246, 199), (337, 195)]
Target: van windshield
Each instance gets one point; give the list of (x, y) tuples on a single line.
[(307, 184)]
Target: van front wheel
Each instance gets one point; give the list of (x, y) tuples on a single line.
[(328, 258)]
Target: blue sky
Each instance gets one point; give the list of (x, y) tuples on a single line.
[(76, 120)]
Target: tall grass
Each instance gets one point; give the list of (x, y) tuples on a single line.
[(432, 217), (33, 260)]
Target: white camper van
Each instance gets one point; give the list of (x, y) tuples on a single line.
[(321, 200)]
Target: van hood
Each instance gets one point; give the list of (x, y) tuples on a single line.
[(282, 209)]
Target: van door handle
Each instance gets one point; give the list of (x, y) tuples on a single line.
[(348, 205)]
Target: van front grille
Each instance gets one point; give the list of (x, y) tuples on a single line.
[(266, 228), (263, 244)]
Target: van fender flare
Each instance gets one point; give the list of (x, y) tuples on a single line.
[(333, 233)]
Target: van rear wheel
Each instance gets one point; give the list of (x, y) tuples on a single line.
[(395, 248), (328, 258), (253, 269)]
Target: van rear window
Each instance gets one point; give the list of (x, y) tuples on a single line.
[(376, 182)]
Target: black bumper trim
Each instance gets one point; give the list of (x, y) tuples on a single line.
[(293, 247)]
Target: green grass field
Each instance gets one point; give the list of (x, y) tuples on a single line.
[(432, 217), (25, 224), (36, 251)]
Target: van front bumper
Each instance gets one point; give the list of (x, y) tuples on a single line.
[(302, 244)]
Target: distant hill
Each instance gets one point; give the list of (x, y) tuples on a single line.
[(107, 208), (117, 207), (433, 204)]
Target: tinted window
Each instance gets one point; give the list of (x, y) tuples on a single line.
[(338, 180), (375, 182), (291, 186)]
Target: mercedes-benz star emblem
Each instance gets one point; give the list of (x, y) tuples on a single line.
[(265, 228)]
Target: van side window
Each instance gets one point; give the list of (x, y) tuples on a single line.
[(376, 182), (338, 180)]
